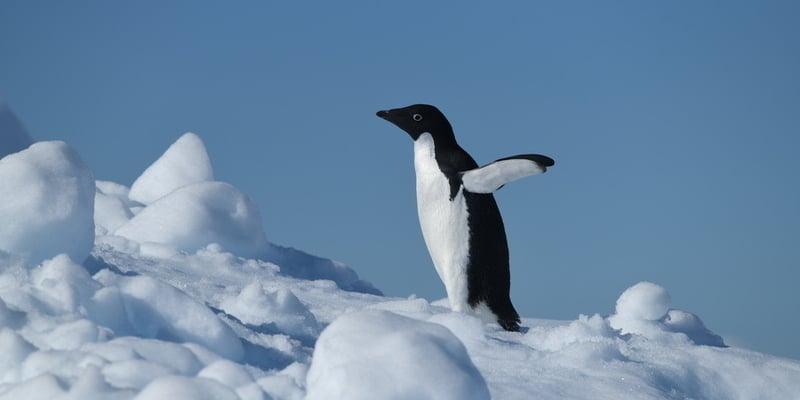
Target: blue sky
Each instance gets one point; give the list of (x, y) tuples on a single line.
[(674, 126)]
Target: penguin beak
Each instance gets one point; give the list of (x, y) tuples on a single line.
[(395, 116), (389, 115)]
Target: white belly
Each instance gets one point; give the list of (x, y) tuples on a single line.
[(443, 223)]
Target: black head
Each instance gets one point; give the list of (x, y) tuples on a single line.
[(418, 119)]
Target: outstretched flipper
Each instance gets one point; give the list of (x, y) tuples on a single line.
[(494, 175)]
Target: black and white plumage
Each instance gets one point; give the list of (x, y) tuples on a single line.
[(460, 221)]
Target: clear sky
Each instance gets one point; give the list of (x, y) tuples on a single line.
[(675, 127)]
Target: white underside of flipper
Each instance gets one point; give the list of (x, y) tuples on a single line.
[(443, 222), (491, 177)]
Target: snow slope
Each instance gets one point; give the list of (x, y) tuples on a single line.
[(183, 297)]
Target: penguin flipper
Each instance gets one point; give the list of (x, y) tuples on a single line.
[(494, 175)]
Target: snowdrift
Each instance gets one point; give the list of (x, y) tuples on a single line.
[(170, 289)]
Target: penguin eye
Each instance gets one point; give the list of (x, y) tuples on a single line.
[(417, 117)]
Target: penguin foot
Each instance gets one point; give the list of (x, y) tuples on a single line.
[(511, 325)]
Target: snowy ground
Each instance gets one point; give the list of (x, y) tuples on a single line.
[(170, 289)]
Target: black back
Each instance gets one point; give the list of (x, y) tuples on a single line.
[(488, 273), (488, 276)]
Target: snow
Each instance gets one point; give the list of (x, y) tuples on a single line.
[(113, 208), (178, 317), (643, 301), (176, 293), (182, 388), (379, 354), (183, 207), (185, 161), (256, 305), (644, 309), (47, 203), (192, 216)]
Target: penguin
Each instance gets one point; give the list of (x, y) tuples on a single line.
[(458, 216)]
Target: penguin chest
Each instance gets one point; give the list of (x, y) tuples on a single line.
[(443, 222)]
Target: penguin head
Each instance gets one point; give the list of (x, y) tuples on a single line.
[(418, 119)]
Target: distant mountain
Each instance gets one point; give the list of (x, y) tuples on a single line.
[(13, 136)]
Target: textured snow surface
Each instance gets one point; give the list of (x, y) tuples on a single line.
[(180, 296), (46, 203)]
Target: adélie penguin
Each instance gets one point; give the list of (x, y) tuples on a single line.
[(460, 221)]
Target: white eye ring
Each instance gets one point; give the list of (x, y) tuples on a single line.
[(416, 117)]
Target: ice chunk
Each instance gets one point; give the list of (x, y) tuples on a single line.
[(185, 161), (47, 203), (199, 214), (381, 355)]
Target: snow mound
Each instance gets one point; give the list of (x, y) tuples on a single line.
[(255, 305), (185, 161), (644, 309), (47, 203), (120, 334), (13, 136), (64, 285), (196, 215), (177, 318), (112, 207), (645, 301), (381, 355), (188, 213), (690, 325)]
